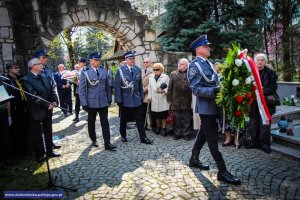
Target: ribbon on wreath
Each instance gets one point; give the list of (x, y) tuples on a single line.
[(261, 102)]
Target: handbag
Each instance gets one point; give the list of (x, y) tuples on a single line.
[(273, 100), (170, 118)]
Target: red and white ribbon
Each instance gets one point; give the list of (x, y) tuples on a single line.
[(261, 102)]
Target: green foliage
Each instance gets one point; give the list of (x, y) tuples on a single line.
[(185, 20), (229, 93), (55, 53), (289, 102), (79, 42)]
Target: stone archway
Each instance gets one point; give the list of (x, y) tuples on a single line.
[(32, 24)]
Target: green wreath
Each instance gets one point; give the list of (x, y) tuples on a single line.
[(237, 89)]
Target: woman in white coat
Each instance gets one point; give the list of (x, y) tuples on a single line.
[(157, 90)]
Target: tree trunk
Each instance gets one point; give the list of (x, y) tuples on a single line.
[(67, 35), (286, 18)]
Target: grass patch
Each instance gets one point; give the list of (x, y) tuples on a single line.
[(27, 175)]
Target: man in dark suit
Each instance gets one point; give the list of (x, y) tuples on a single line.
[(47, 71), (38, 84), (63, 89), (129, 96), (203, 83)]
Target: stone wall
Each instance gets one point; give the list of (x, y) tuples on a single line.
[(286, 89), (6, 37), (30, 25)]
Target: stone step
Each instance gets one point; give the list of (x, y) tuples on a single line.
[(285, 150), (285, 144), (284, 139), (292, 112)]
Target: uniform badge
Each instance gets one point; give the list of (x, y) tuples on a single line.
[(192, 72)]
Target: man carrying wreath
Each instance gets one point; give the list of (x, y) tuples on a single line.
[(204, 84)]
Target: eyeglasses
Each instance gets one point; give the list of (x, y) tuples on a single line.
[(156, 69), (146, 62), (14, 67)]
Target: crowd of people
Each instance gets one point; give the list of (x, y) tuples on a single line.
[(144, 95)]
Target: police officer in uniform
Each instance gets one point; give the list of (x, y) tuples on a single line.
[(95, 97), (203, 83), (129, 96)]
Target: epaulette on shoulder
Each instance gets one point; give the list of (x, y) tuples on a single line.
[(193, 61), (86, 68)]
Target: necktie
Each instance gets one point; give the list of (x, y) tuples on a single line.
[(207, 62), (97, 72), (131, 70)]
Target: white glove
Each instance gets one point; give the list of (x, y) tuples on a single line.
[(9, 121)]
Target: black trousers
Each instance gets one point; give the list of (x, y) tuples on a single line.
[(135, 113), (208, 132), (4, 136), (77, 105), (103, 113), (37, 135), (19, 132), (153, 121), (65, 100), (260, 133)]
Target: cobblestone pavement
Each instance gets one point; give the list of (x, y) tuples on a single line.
[(161, 171)]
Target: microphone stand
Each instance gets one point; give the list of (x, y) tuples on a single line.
[(50, 182)]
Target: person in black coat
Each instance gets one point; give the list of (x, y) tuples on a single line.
[(19, 129), (261, 133), (64, 90), (37, 84)]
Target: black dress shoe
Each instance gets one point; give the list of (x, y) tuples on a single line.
[(52, 155), (146, 141), (123, 139), (228, 178), (196, 163), (266, 149), (177, 137), (40, 159), (164, 132), (187, 138), (110, 147), (226, 144), (76, 119), (157, 130), (56, 146), (95, 143)]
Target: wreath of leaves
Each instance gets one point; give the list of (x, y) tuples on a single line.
[(227, 97)]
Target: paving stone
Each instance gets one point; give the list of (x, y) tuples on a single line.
[(160, 171)]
